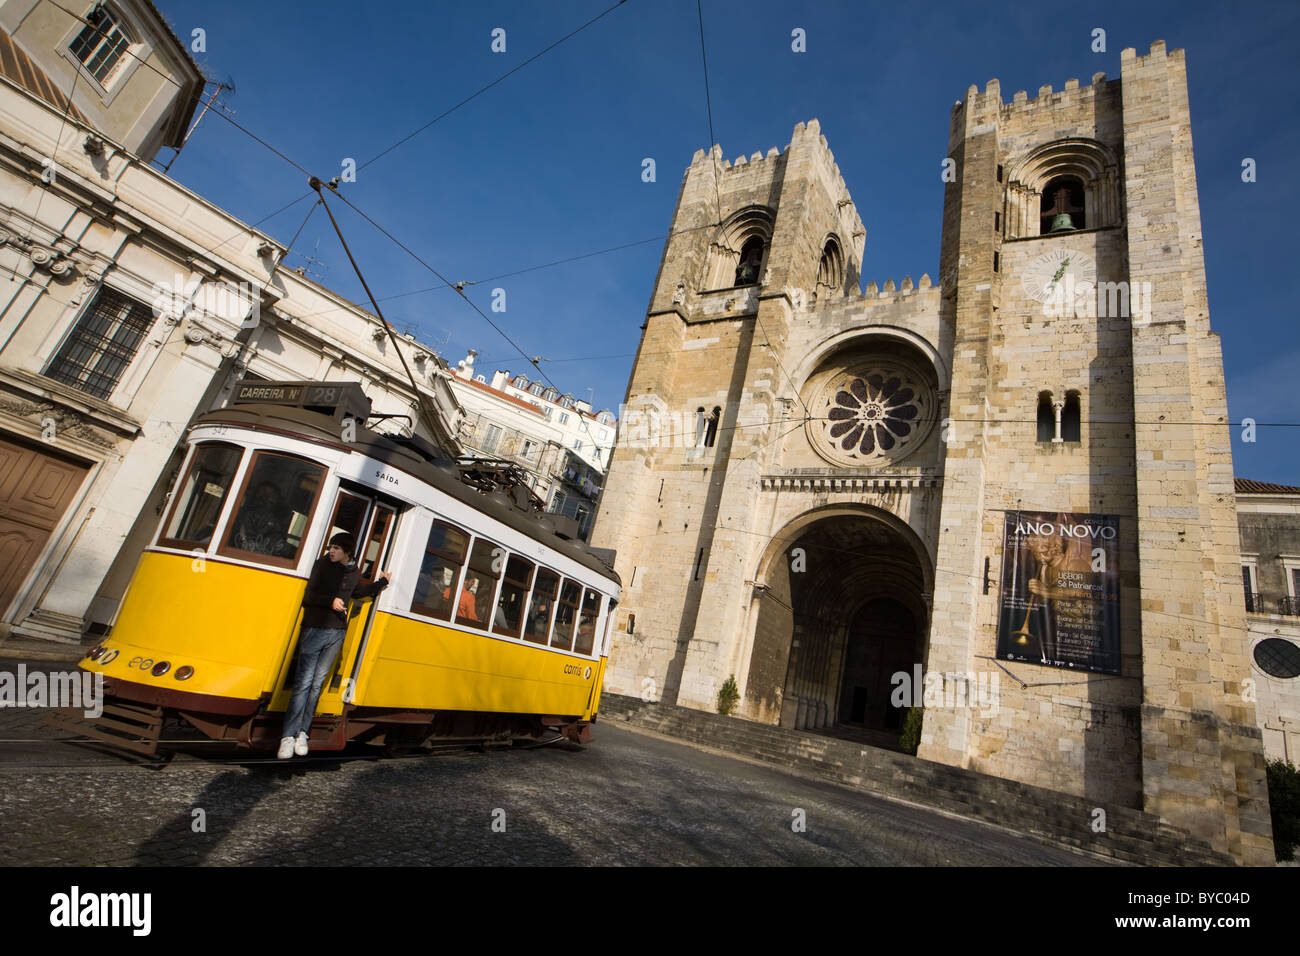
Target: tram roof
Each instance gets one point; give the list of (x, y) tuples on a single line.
[(418, 458)]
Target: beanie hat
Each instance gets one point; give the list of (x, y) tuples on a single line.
[(346, 542)]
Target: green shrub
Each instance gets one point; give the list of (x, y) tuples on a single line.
[(728, 696), (1284, 798), (910, 738)]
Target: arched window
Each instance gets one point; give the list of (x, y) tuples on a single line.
[(537, 388), (751, 261), (1071, 429), (738, 250), (1074, 178), (1046, 417), (1061, 206), (830, 271)]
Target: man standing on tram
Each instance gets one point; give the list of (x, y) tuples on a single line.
[(332, 584)]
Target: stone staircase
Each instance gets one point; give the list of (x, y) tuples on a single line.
[(1131, 835)]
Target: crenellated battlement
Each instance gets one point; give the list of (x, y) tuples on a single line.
[(891, 291), (802, 132), (981, 102)]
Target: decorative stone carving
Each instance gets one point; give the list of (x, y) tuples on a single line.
[(53, 261), (875, 414)]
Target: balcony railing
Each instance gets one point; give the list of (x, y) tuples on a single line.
[(1254, 603), (1289, 606)]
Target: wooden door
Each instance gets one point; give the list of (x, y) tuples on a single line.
[(35, 491)]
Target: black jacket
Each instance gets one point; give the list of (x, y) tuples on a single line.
[(330, 580)]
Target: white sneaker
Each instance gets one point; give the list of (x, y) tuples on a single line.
[(299, 745), (286, 748)]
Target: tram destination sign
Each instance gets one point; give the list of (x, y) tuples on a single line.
[(1060, 590), (334, 398)]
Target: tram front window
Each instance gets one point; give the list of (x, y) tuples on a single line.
[(198, 506), (274, 510)]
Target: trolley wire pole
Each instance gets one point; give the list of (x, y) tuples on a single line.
[(429, 415)]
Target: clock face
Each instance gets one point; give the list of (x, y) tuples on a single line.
[(1056, 274)]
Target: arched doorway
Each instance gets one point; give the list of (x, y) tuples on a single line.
[(842, 608)]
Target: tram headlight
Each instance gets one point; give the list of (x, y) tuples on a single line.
[(184, 673), (108, 656), (95, 652), (162, 667)]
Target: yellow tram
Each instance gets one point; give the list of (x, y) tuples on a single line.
[(494, 624)]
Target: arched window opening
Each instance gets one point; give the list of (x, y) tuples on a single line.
[(1062, 206), (751, 261), (738, 249), (711, 427), (699, 427), (1071, 429), (1063, 185), (1046, 417), (830, 271)]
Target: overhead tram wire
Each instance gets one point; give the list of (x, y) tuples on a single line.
[(100, 33), (211, 250), (957, 574), (479, 92), (431, 421), (717, 192), (63, 123), (458, 287)]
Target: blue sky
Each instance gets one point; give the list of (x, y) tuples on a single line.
[(547, 164)]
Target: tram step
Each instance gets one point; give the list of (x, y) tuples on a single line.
[(131, 727)]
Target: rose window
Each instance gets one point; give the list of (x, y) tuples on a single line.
[(873, 414)]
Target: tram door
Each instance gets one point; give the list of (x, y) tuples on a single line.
[(370, 520)]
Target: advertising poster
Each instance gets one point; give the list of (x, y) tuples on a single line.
[(1060, 590)]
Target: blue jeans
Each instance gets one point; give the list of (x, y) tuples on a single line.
[(316, 652)]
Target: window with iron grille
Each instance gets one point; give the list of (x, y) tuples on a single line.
[(101, 43), (99, 349)]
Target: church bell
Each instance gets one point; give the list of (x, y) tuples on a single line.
[(1062, 223)]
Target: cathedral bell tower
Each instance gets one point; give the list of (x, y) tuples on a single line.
[(753, 242), (1088, 392)]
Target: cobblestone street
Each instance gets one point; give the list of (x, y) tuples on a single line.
[(626, 799)]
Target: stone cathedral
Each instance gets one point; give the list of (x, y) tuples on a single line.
[(1015, 472)]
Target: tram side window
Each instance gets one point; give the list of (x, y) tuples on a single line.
[(566, 615), (444, 556), (538, 627), (587, 623), (275, 506), (206, 485), (480, 585), (509, 617)]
